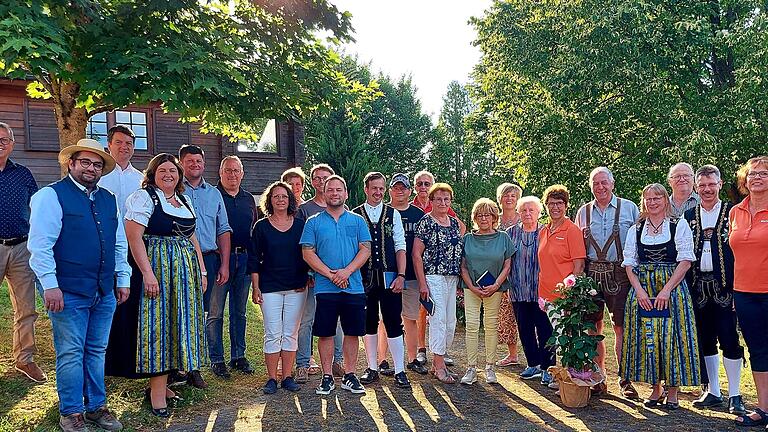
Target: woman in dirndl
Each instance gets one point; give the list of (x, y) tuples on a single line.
[(659, 350), (160, 226)]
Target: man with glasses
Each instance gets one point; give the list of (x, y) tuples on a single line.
[(213, 233), (78, 251), (423, 180), (683, 197), (305, 364), (710, 281), (241, 213), (605, 222), (17, 185)]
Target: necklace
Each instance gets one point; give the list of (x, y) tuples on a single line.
[(655, 228), (533, 235), (169, 197)]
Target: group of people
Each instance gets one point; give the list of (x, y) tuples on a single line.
[(135, 269)]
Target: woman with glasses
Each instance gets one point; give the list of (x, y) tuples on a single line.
[(507, 195), (436, 254), (660, 345), (561, 251), (484, 271), (168, 278), (749, 241), (279, 280)]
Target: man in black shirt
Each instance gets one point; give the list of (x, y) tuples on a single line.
[(241, 212)]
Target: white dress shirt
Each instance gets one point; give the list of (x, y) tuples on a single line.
[(683, 241), (122, 183), (398, 233), (45, 222), (708, 220)]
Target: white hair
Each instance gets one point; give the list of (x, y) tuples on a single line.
[(598, 170), (229, 158), (530, 199), (678, 165)]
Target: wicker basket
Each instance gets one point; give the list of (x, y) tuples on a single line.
[(574, 396)]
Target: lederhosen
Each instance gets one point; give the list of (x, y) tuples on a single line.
[(610, 276), (712, 292), (379, 297)]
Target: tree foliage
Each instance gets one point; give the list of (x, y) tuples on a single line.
[(387, 134), (461, 154), (224, 63), (565, 86)]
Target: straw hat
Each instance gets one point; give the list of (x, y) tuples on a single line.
[(88, 145)]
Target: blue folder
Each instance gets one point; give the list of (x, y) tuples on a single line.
[(486, 279)]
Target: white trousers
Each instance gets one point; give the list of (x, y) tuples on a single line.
[(282, 315), (442, 325)]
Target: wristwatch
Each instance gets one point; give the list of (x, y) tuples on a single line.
[(401, 275)]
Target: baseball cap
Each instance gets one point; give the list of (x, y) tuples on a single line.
[(400, 178)]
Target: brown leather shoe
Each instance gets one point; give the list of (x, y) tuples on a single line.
[(32, 371), (73, 423), (196, 380), (103, 419)]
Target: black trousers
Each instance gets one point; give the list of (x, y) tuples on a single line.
[(715, 323), (381, 298), (535, 330), (752, 310)]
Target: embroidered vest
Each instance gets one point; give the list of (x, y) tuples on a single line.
[(382, 243)]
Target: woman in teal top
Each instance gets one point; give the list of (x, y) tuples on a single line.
[(486, 249)]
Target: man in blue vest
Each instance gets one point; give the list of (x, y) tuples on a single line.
[(79, 254)]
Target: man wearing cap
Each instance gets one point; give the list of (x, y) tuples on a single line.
[(78, 251), (16, 188), (383, 278)]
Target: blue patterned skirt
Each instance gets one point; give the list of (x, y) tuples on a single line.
[(660, 349), (171, 332)]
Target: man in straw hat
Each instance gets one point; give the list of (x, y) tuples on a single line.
[(78, 251)]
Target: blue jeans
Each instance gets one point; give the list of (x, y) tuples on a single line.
[(305, 334), (212, 263), (80, 336), (238, 287)]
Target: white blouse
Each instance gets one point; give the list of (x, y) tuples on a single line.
[(139, 207), (683, 241)]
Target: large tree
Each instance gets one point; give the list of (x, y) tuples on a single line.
[(637, 86), (386, 134), (225, 63)]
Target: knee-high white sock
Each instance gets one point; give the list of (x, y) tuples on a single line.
[(397, 349), (733, 372), (371, 349), (713, 373)]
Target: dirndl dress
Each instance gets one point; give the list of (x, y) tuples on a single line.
[(660, 349), (171, 327)]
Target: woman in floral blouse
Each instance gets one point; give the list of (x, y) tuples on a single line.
[(437, 249)]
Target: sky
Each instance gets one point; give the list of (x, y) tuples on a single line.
[(428, 39)]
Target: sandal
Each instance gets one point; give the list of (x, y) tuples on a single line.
[(444, 376), (508, 361), (746, 420)]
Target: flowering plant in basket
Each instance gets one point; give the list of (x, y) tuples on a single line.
[(571, 337)]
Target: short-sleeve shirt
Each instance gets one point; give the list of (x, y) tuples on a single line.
[(17, 185), (241, 214), (308, 209), (442, 246), (487, 253), (139, 207), (276, 256), (410, 216), (212, 220), (336, 243), (557, 251), (749, 242), (601, 225)]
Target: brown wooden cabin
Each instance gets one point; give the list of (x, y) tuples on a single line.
[(37, 142)]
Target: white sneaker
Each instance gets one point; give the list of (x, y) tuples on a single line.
[(448, 361), (470, 377), (490, 375), (421, 357)]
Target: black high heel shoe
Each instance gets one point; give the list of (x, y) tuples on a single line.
[(161, 412), (173, 399)]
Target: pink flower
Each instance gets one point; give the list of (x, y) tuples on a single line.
[(542, 304), (570, 281)]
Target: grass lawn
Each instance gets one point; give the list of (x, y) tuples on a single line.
[(25, 406)]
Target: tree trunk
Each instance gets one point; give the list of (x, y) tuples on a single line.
[(71, 120)]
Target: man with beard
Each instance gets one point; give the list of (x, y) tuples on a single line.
[(336, 243), (383, 293), (710, 280), (78, 249)]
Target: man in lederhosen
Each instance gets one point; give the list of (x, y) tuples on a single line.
[(711, 283), (605, 221)]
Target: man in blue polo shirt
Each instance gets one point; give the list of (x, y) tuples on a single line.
[(336, 243)]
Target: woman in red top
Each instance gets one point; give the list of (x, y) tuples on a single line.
[(561, 249), (749, 241)]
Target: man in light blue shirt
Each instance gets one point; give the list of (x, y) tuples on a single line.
[(605, 222), (78, 251), (336, 243), (212, 229)]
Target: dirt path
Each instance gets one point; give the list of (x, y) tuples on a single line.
[(511, 405)]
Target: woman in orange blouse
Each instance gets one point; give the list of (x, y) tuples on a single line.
[(749, 241), (561, 249)]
